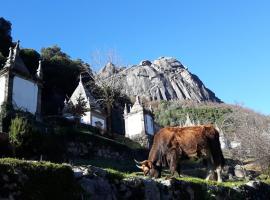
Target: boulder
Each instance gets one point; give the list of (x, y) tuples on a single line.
[(239, 171)]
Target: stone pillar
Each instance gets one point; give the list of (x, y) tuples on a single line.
[(126, 125), (39, 76), (143, 132), (9, 87), (38, 109)]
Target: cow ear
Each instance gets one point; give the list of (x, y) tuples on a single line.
[(150, 164)]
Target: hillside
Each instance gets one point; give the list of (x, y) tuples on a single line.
[(163, 79), (236, 123)]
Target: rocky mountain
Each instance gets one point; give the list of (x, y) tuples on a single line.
[(163, 79)]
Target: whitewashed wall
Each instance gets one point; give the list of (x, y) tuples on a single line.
[(24, 94), (86, 118), (79, 91), (149, 126), (134, 125), (96, 119), (2, 89)]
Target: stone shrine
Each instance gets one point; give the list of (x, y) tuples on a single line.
[(139, 123), (18, 87)]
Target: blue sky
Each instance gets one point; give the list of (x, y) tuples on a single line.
[(225, 43)]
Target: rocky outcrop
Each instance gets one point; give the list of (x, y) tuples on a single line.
[(163, 79), (100, 184)]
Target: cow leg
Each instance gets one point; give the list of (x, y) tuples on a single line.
[(178, 169), (218, 171), (173, 161), (175, 167), (210, 169), (210, 174), (215, 174)]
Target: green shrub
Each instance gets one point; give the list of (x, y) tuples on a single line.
[(17, 130), (20, 131), (8, 113), (173, 114), (38, 180), (25, 137)]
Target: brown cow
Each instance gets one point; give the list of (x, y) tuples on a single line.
[(173, 144)]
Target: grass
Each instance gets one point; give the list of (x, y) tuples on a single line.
[(121, 174), (202, 189), (230, 184), (124, 166), (113, 174), (128, 142), (28, 165), (127, 168), (48, 180)]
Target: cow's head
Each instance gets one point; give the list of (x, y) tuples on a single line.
[(149, 168)]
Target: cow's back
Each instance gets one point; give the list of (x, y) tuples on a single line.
[(191, 140)]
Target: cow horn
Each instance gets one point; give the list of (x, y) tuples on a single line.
[(140, 163), (140, 167)]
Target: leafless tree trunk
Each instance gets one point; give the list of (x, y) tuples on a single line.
[(99, 58), (108, 88), (110, 93)]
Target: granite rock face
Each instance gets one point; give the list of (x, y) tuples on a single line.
[(163, 79)]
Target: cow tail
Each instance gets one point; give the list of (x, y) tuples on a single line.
[(216, 151)]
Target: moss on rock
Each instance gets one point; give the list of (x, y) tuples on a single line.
[(21, 179)]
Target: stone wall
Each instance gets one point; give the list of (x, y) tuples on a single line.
[(144, 140), (100, 184), (94, 146), (89, 149)]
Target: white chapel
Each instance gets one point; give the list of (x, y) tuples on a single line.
[(95, 115), (18, 87)]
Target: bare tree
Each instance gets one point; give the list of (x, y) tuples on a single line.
[(110, 93), (99, 58), (107, 89), (250, 129)]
